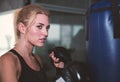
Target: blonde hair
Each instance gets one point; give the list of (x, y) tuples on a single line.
[(26, 16)]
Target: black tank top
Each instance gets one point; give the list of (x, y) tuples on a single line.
[(28, 74)]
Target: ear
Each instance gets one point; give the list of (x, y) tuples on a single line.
[(21, 28)]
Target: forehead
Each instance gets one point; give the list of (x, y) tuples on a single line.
[(41, 18)]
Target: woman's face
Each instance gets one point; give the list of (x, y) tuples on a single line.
[(38, 31)]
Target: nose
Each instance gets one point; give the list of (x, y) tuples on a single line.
[(45, 32)]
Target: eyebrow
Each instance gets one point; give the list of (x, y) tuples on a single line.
[(44, 24), (41, 23)]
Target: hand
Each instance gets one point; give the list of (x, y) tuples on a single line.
[(56, 62)]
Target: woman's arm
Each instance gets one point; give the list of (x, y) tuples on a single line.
[(8, 68)]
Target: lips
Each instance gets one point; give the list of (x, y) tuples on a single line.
[(42, 40)]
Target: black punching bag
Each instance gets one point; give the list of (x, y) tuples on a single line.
[(104, 41)]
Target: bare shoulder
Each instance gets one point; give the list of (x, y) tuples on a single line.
[(9, 61), (9, 67), (8, 58)]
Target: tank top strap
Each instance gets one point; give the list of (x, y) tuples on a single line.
[(17, 54), (21, 58)]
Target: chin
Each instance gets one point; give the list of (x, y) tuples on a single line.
[(40, 45)]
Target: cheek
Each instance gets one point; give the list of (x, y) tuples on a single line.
[(32, 35), (33, 32)]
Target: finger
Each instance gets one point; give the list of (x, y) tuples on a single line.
[(51, 54), (56, 60), (59, 65), (56, 64)]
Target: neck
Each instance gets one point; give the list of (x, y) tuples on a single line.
[(24, 48)]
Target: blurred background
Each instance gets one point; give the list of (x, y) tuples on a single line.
[(68, 28)]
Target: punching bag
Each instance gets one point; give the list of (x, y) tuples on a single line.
[(104, 41)]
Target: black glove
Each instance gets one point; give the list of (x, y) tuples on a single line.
[(61, 53), (66, 74), (75, 72)]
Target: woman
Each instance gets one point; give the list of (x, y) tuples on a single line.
[(20, 64)]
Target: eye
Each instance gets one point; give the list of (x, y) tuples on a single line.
[(48, 27), (40, 26)]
